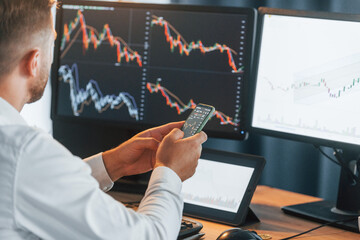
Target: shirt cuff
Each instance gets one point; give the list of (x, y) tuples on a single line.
[(98, 171), (167, 178)]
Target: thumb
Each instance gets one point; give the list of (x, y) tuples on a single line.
[(202, 137), (175, 134)]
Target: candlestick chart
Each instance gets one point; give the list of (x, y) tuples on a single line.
[(305, 89), (174, 101), (80, 97), (91, 37), (176, 40), (331, 81), (110, 61)]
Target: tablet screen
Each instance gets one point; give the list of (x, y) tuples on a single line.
[(217, 185)]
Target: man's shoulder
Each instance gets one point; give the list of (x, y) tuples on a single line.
[(16, 136), (19, 138)]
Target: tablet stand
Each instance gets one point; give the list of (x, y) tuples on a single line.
[(250, 219)]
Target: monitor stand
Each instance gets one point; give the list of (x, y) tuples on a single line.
[(347, 206)]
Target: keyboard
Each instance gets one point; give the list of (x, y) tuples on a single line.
[(188, 228)]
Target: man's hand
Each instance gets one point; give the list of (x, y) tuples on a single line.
[(137, 155), (181, 155)]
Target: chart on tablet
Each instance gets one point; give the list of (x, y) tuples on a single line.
[(217, 185)]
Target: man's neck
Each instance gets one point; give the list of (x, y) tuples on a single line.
[(13, 90)]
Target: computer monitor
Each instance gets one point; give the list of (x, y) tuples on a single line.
[(139, 65), (307, 87)]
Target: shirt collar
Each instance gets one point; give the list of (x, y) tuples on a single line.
[(9, 115)]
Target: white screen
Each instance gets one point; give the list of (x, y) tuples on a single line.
[(217, 185), (308, 79)]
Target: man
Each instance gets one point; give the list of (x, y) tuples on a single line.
[(45, 191)]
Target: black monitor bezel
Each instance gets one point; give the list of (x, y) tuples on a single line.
[(252, 17), (292, 13)]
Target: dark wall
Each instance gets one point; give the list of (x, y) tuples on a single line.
[(290, 165)]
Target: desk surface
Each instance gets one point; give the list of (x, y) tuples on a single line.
[(266, 204)]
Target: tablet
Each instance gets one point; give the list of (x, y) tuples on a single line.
[(222, 186)]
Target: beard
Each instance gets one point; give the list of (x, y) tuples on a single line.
[(38, 88)]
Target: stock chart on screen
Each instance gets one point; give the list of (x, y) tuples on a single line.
[(310, 87), (150, 65)]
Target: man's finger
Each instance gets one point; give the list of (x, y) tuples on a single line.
[(148, 143), (175, 134), (165, 129), (200, 137), (160, 132)]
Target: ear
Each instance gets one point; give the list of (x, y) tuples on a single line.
[(32, 62)]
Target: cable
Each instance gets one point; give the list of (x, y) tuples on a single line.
[(339, 161), (323, 225), (358, 166), (350, 174), (327, 156)]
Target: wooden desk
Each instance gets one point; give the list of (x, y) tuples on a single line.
[(266, 204)]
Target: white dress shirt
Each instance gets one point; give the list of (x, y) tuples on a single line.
[(48, 193)]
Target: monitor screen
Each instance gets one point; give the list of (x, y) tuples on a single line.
[(145, 65), (308, 77)]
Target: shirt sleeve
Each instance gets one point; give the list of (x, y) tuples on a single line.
[(164, 184), (98, 171), (57, 198)]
